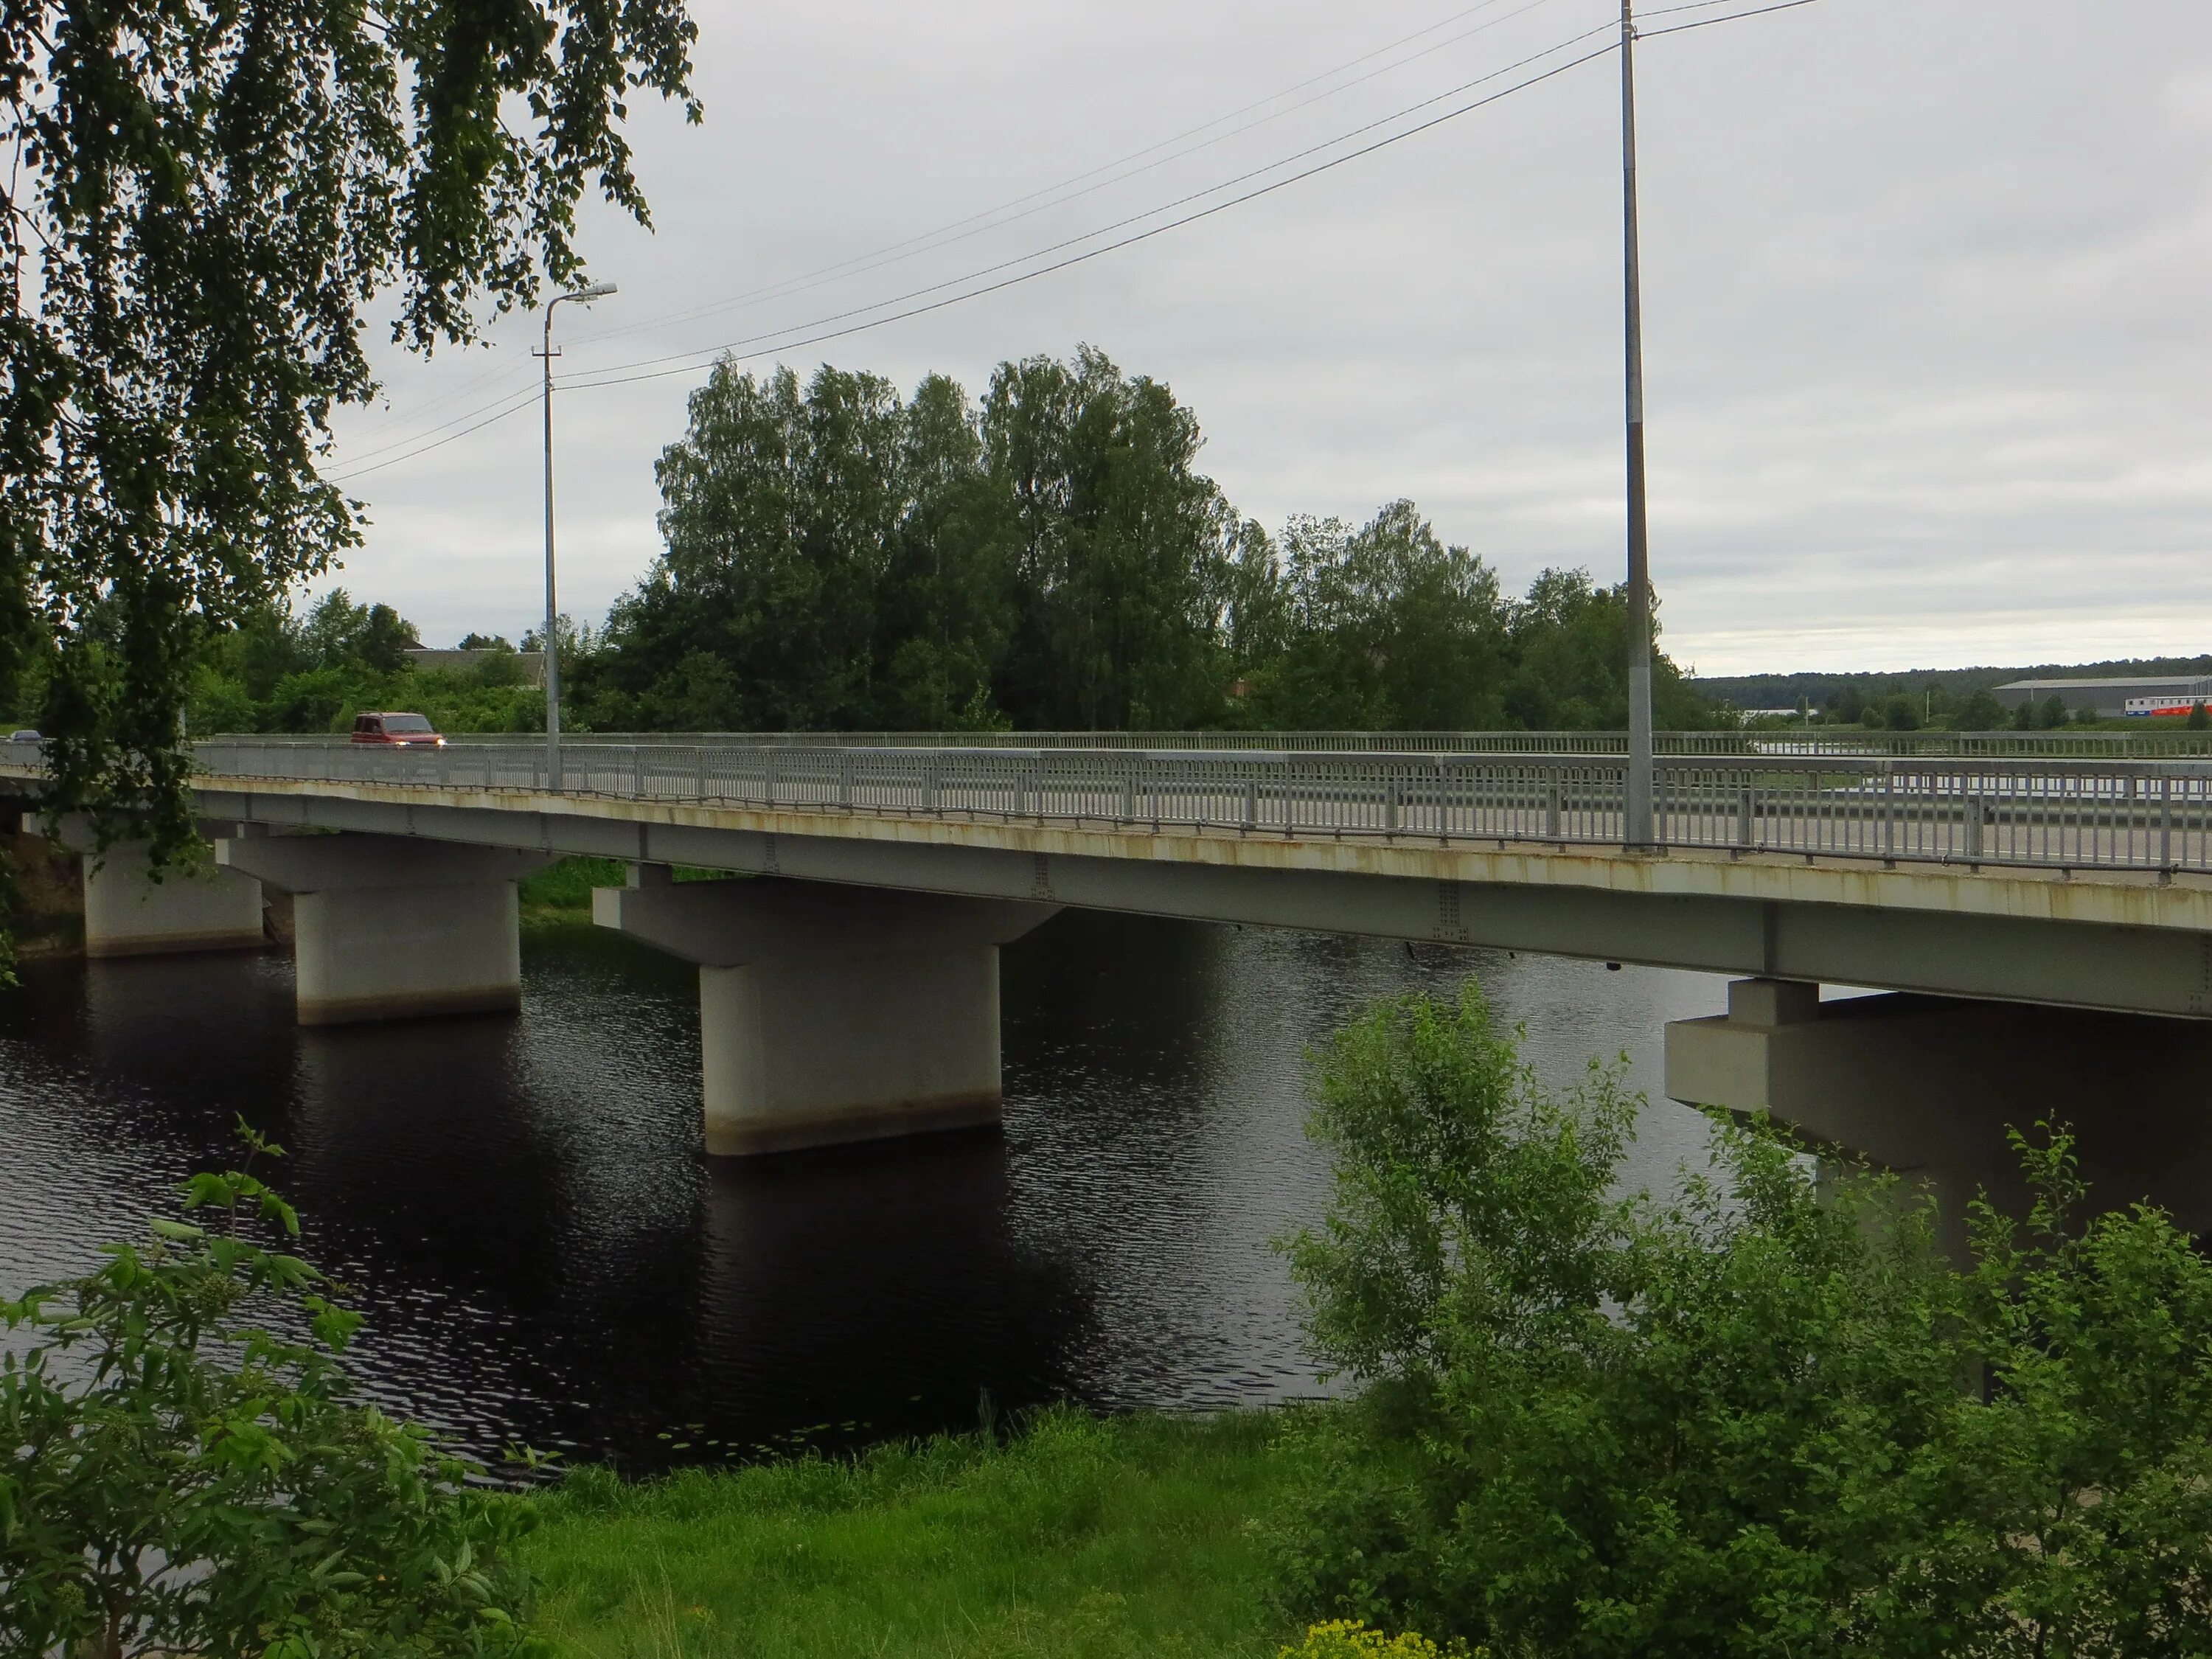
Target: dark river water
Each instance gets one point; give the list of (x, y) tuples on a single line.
[(521, 1207)]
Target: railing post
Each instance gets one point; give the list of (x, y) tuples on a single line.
[(1390, 806), (1554, 806), (1129, 797), (767, 779), (1889, 810), (845, 779), (1251, 803), (1747, 813), (1975, 809), (637, 772), (2166, 823), (698, 775)]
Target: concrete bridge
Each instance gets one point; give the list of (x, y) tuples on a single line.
[(2045, 919)]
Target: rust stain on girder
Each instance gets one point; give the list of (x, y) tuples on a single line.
[(2111, 897)]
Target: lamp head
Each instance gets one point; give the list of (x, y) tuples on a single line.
[(596, 291)]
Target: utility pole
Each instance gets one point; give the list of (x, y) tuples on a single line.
[(549, 644), (1638, 830)]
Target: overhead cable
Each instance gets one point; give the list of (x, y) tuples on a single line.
[(911, 246), (1040, 201), (648, 370), (589, 377)]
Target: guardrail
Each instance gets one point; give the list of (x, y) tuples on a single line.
[(2141, 815), (2149, 744)]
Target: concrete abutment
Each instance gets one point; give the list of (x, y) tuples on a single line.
[(132, 910), (830, 1014)]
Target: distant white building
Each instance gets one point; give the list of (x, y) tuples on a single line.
[(2110, 698)]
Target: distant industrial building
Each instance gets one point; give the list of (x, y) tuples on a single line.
[(2110, 698), (530, 665)]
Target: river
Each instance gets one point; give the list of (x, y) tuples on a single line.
[(521, 1208)]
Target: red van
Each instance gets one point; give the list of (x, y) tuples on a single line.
[(403, 730)]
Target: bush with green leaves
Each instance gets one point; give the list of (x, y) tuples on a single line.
[(186, 1470), (1763, 1418)]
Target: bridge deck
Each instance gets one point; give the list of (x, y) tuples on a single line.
[(2083, 883)]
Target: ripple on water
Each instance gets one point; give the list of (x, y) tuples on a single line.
[(522, 1208)]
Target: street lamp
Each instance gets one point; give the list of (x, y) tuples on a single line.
[(1638, 829), (549, 643)]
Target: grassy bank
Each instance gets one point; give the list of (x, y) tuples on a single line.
[(563, 891), (1078, 1538), (561, 894)]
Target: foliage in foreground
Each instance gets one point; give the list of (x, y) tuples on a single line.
[(184, 1473), (1077, 1538), (204, 203), (1758, 1420)]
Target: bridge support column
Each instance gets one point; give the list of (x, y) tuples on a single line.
[(128, 914), (1927, 1086), (831, 1014), (392, 927)]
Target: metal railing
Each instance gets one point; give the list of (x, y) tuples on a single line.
[(2147, 744), (2069, 813)]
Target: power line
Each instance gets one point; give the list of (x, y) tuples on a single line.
[(470, 416), (860, 264), (356, 459), (1126, 242), (613, 376), (684, 357), (504, 367), (1707, 22), (1040, 201), (514, 406)]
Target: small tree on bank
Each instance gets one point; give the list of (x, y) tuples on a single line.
[(183, 1469), (1742, 1423)]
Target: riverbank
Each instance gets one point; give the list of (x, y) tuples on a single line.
[(1078, 1538), (41, 897), (560, 895)]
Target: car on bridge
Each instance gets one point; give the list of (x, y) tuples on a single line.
[(401, 731)]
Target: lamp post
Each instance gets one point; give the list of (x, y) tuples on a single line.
[(549, 644), (1636, 829)]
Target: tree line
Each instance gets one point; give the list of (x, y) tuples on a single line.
[(838, 556)]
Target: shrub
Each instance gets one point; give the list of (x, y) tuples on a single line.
[(179, 1477), (1763, 1419)]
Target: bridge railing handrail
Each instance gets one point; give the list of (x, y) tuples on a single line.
[(2087, 745), (2000, 809)]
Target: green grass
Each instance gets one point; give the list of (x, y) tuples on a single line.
[(1082, 1538), (566, 885)]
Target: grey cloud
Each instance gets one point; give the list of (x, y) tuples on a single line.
[(1927, 334)]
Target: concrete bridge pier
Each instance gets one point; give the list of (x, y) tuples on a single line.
[(829, 1014), (1927, 1086), (128, 912), (392, 927)]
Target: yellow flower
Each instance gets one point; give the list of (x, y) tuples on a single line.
[(1351, 1638)]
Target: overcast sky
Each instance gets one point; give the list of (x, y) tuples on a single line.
[(1926, 299)]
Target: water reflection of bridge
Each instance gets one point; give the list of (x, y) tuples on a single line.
[(853, 993)]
